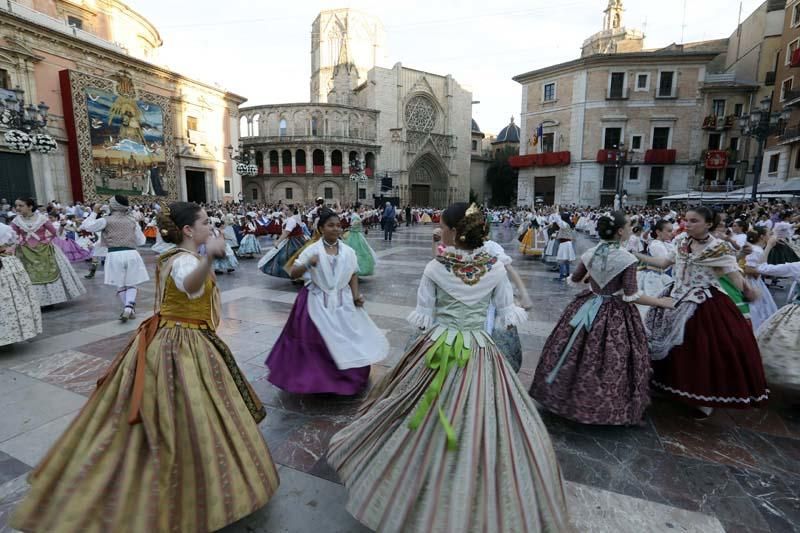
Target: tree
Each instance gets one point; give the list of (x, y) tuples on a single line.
[(502, 178)]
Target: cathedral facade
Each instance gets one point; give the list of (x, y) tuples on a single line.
[(408, 130)]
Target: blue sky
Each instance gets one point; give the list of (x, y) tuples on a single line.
[(261, 50)]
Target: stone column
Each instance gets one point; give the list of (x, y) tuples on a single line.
[(309, 160), (328, 164), (294, 161)]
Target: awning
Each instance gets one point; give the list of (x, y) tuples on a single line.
[(791, 186)]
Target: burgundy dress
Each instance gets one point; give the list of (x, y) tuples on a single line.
[(603, 378)]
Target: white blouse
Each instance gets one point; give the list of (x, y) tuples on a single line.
[(182, 266)]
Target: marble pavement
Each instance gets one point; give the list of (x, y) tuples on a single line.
[(738, 471)]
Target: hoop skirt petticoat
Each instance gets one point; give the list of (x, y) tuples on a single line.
[(604, 377), (74, 252), (364, 252), (20, 316), (249, 245), (66, 287), (196, 461), (503, 477), (779, 339), (718, 364), (301, 363)]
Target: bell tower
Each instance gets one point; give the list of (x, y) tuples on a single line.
[(614, 38), (613, 15)]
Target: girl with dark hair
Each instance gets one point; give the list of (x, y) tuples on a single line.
[(764, 306), (653, 280), (451, 427), (249, 245), (704, 352), (595, 368), (53, 278), (355, 239), (169, 440), (286, 248), (329, 341), (20, 316)]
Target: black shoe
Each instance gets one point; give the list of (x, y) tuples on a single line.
[(218, 272), (230, 270), (90, 275)]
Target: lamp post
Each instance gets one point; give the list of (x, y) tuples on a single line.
[(760, 124), (243, 165), (357, 175), (26, 124)]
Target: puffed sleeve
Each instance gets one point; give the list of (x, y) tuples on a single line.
[(93, 224), (576, 279), (291, 223), (184, 265), (630, 285), (422, 315), (507, 312)]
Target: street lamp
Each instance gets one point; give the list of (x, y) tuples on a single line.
[(760, 124), (243, 165), (26, 124), (357, 175)]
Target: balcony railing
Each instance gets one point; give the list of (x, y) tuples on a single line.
[(547, 159), (293, 139), (790, 133), (59, 25), (713, 122), (660, 156)]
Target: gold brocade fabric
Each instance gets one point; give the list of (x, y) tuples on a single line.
[(196, 462)]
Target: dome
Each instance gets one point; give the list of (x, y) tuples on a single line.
[(475, 127), (509, 134)]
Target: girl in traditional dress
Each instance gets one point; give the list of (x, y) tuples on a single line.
[(595, 368), (779, 336), (653, 280), (566, 253), (329, 341), (54, 281), (704, 352), (249, 245), (355, 239), (449, 440), (764, 306), (228, 263), (66, 240), (20, 316), (533, 240), (169, 440), (285, 249), (124, 268)]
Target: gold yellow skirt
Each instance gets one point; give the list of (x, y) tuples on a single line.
[(195, 463), (528, 247)]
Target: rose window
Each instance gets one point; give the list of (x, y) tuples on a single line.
[(420, 114)]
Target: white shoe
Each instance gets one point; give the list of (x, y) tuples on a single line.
[(127, 314)]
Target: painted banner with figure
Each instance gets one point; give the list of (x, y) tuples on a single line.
[(123, 142)]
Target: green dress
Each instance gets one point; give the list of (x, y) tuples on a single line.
[(364, 253)]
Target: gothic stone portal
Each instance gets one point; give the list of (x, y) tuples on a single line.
[(428, 179)]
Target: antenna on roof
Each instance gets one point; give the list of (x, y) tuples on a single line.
[(683, 22)]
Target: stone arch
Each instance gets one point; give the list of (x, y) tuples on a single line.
[(286, 161), (318, 160), (279, 192), (283, 127), (316, 124), (260, 161), (336, 161), (354, 126), (335, 190), (428, 181), (369, 164), (255, 128), (300, 160), (249, 195), (300, 121), (244, 126), (274, 161), (271, 124)]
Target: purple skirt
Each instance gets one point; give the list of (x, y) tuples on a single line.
[(301, 363)]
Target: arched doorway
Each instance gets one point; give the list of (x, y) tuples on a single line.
[(427, 179)]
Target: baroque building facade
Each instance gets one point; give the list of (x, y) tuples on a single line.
[(419, 152), (107, 41), (643, 124)]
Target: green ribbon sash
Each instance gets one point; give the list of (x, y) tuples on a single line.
[(446, 352), (40, 263)]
